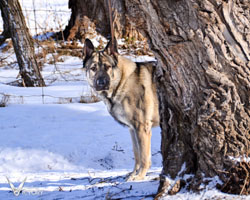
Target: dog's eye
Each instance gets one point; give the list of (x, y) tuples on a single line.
[(107, 67), (93, 68)]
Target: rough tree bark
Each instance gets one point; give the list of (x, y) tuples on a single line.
[(15, 27), (86, 13), (203, 79), (6, 32)]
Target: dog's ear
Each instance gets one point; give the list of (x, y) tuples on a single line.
[(112, 49), (88, 50)]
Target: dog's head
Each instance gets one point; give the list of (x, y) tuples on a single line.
[(100, 66)]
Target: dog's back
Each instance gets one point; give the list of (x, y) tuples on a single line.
[(136, 94)]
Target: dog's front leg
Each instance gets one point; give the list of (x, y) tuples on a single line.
[(136, 154), (143, 136)]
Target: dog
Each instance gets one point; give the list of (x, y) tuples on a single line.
[(129, 93)]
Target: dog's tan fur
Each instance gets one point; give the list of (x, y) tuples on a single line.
[(130, 98)]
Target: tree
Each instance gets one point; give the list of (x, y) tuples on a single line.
[(85, 13), (15, 27), (203, 53), (6, 32)]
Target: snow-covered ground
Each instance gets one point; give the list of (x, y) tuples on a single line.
[(76, 147), (64, 149)]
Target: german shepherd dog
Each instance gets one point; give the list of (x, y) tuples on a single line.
[(129, 92)]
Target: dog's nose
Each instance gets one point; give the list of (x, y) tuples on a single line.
[(101, 82)]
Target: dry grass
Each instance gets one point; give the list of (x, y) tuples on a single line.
[(89, 99)]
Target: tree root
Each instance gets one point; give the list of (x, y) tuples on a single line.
[(238, 179)]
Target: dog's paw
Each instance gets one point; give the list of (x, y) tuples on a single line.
[(134, 177), (130, 176)]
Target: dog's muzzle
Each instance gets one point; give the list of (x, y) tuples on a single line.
[(102, 83)]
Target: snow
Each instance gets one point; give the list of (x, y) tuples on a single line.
[(66, 149), (68, 145), (240, 159), (66, 83), (46, 15)]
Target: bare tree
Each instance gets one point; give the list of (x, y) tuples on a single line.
[(6, 32), (15, 27), (203, 80)]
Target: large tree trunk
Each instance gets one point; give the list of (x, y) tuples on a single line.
[(203, 79), (85, 13), (15, 27), (203, 82)]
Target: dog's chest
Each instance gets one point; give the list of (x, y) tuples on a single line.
[(117, 112)]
